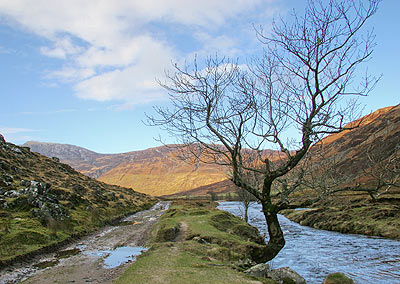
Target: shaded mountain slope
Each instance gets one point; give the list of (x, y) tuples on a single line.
[(44, 202), (157, 171), (218, 188), (378, 137)]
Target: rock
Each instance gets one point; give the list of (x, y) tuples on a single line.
[(285, 274), (15, 149), (13, 193), (244, 264), (3, 203), (200, 240), (6, 180), (25, 183), (259, 270), (55, 159), (338, 278), (2, 140)]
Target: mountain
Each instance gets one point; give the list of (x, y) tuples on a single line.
[(44, 202), (222, 188), (155, 171), (375, 140)]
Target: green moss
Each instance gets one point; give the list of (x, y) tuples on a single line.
[(355, 217), (182, 263), (338, 278), (188, 260), (224, 221)]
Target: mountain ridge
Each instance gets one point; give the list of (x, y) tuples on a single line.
[(157, 171)]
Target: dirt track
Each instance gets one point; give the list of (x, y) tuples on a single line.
[(88, 265)]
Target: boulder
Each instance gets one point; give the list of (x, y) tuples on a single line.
[(259, 270), (338, 278), (6, 180), (286, 275)]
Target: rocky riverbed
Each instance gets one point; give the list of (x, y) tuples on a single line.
[(98, 258)]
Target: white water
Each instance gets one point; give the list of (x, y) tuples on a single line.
[(317, 253)]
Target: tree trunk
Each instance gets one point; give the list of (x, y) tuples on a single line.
[(276, 239), (246, 209)]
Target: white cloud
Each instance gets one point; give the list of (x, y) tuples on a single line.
[(114, 50), (62, 48), (14, 130)]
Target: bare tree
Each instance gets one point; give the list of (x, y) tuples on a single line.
[(378, 170), (383, 172), (245, 198), (300, 89)]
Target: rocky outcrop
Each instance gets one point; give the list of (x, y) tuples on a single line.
[(35, 195), (337, 278)]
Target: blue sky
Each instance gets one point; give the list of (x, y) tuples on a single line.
[(83, 72)]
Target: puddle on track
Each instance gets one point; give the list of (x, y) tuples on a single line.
[(98, 245), (119, 256), (122, 255)]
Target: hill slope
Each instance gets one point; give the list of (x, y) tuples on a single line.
[(378, 135), (44, 202), (365, 147), (155, 171)]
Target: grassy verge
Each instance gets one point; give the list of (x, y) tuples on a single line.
[(353, 216), (193, 243), (22, 236)]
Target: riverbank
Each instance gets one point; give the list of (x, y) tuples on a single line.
[(196, 243), (316, 253), (352, 216)]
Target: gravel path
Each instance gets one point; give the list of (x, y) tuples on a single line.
[(88, 264)]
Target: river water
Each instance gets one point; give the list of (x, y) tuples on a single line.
[(316, 253)]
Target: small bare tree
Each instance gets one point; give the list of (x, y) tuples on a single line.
[(383, 172), (226, 115), (378, 173), (245, 198)]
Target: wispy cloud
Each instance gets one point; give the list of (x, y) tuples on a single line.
[(114, 50), (18, 135), (52, 112), (14, 130)]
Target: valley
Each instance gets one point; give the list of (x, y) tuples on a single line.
[(47, 206)]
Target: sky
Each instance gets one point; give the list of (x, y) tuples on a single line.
[(85, 72)]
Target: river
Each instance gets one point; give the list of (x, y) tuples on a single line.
[(316, 253)]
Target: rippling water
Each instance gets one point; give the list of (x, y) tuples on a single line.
[(317, 253)]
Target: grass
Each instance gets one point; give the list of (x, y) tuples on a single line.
[(89, 203), (188, 245), (21, 234), (353, 215)]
